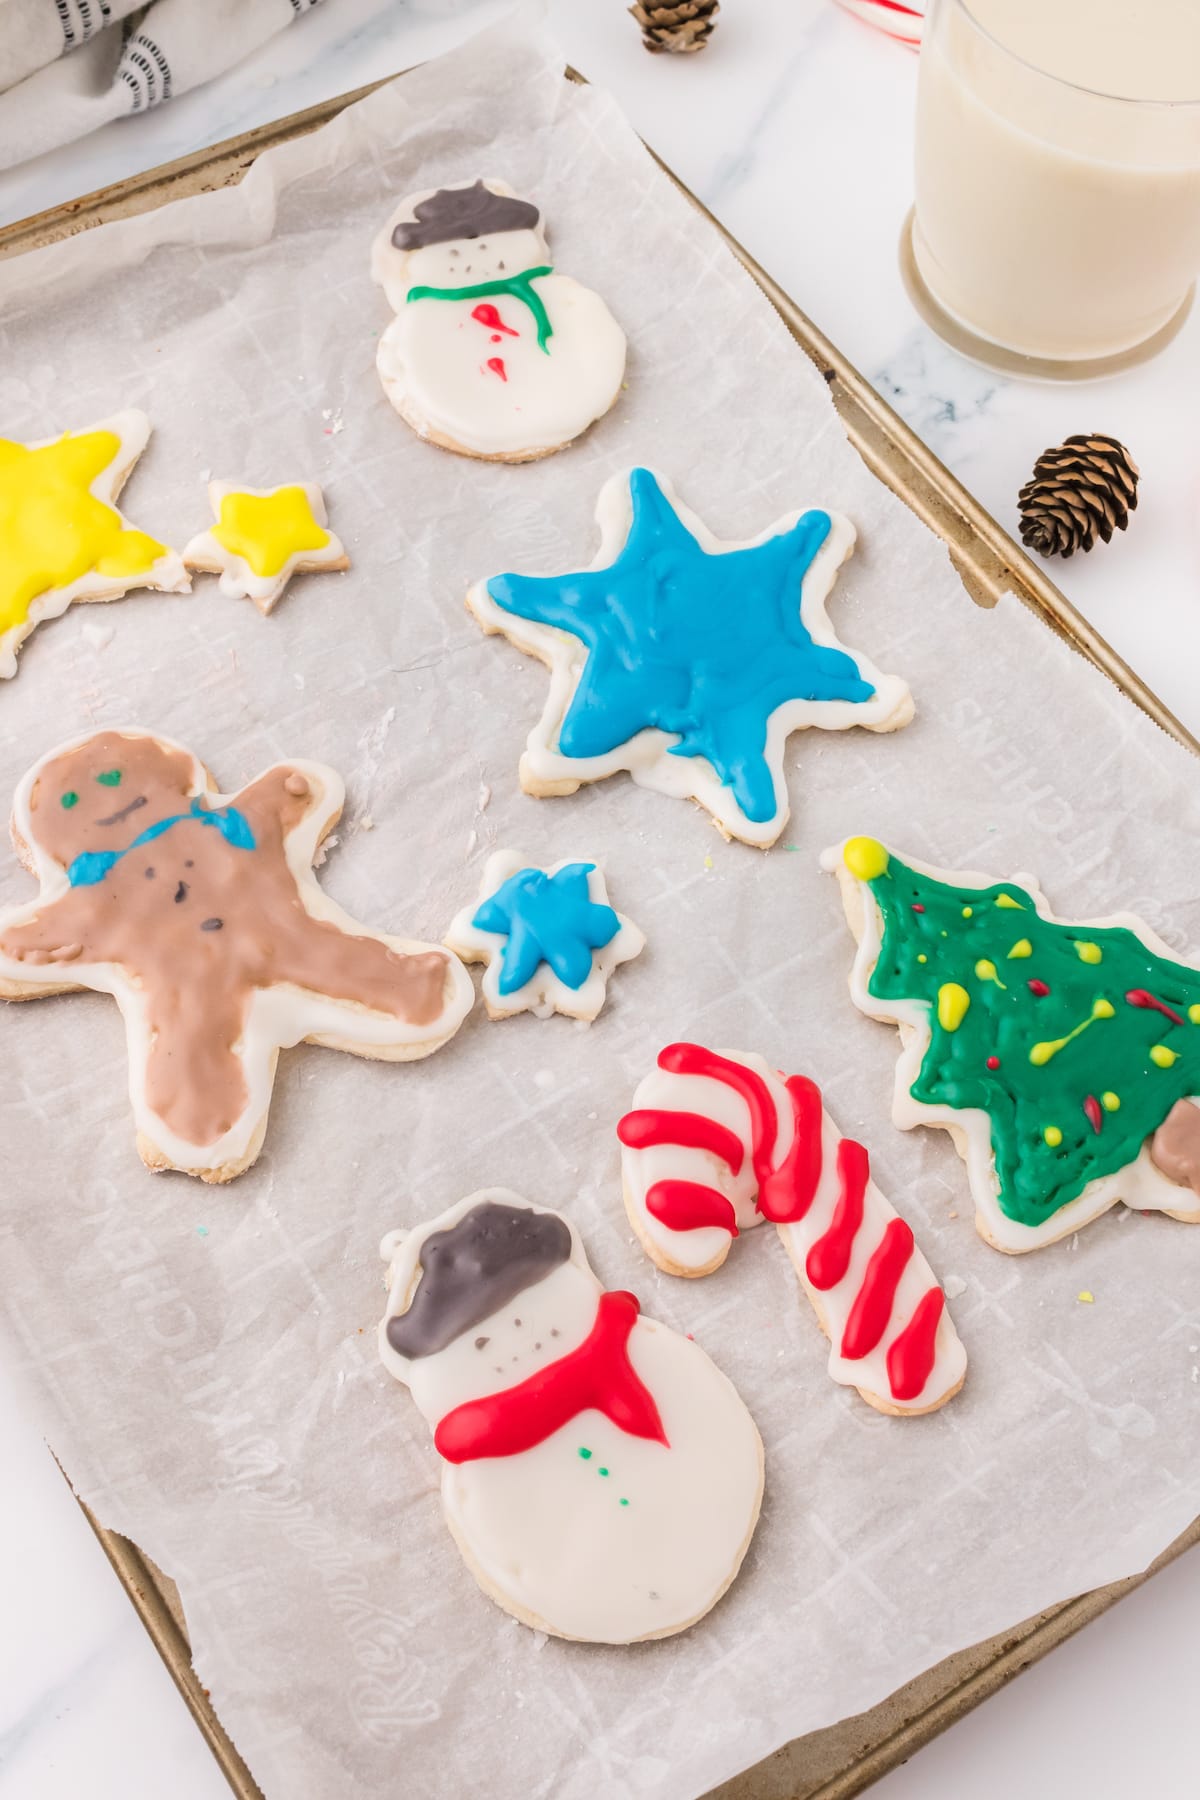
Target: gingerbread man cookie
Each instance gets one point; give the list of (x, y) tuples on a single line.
[(492, 353), (601, 1477), (200, 914)]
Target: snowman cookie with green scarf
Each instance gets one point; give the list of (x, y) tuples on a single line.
[(492, 353)]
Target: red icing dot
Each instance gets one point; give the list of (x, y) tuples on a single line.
[(1039, 988), (917, 907), (496, 365), (1095, 1117), (993, 1062)]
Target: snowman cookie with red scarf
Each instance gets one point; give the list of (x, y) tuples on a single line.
[(492, 353), (601, 1477)]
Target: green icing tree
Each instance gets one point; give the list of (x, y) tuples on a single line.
[(1075, 1040)]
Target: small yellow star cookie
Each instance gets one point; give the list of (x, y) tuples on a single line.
[(62, 537), (264, 536)]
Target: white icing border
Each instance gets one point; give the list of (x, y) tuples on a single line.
[(646, 756), (1140, 1184), (167, 575), (544, 993), (238, 581), (279, 1017)]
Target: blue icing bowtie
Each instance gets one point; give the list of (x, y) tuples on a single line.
[(91, 866), (703, 646), (547, 919)]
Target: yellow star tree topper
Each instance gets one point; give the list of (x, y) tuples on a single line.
[(264, 536), (62, 537)]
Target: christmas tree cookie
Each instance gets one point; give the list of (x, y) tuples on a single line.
[(62, 538), (687, 661), (549, 937), (600, 1476), (199, 913), (492, 352), (1064, 1059), (717, 1143), (262, 537)]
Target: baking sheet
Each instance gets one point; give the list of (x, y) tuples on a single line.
[(216, 1396)]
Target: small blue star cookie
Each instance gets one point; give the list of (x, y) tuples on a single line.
[(549, 937), (688, 661)]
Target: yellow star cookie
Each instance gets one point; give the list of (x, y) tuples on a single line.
[(264, 536), (62, 538)]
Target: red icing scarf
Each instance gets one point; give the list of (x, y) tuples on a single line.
[(598, 1376)]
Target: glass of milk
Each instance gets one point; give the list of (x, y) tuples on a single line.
[(1057, 207)]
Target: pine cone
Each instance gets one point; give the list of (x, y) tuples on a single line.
[(1085, 486), (680, 28)]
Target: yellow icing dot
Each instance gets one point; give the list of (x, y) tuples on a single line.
[(968, 912), (952, 1004), (1089, 953), (1053, 1136), (1007, 900), (53, 530), (1110, 1102), (865, 857), (1162, 1058), (1194, 1014), (921, 956), (985, 969), (1102, 1009), (267, 529), (1022, 947), (1086, 1296)]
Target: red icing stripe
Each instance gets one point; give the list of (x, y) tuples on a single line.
[(829, 1257), (694, 1059), (787, 1193), (597, 1375), (687, 1205), (910, 1356), (652, 1125), (873, 1303)]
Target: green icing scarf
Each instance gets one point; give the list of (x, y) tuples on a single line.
[(519, 286)]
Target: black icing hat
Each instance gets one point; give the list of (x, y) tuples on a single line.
[(467, 212), (473, 1268)]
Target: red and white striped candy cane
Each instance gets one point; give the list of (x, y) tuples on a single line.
[(718, 1142), (899, 20)]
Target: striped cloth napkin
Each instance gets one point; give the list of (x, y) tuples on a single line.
[(69, 66)]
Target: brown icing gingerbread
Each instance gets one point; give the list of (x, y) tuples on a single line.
[(200, 914)]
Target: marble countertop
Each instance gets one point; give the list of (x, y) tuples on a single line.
[(795, 129)]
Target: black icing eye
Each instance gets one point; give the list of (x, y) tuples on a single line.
[(110, 778), (70, 799)]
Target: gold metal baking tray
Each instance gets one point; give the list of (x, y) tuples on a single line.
[(846, 1758)]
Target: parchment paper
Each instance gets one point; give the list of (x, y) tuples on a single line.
[(204, 1358)]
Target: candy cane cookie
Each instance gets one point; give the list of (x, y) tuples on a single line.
[(716, 1143)]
